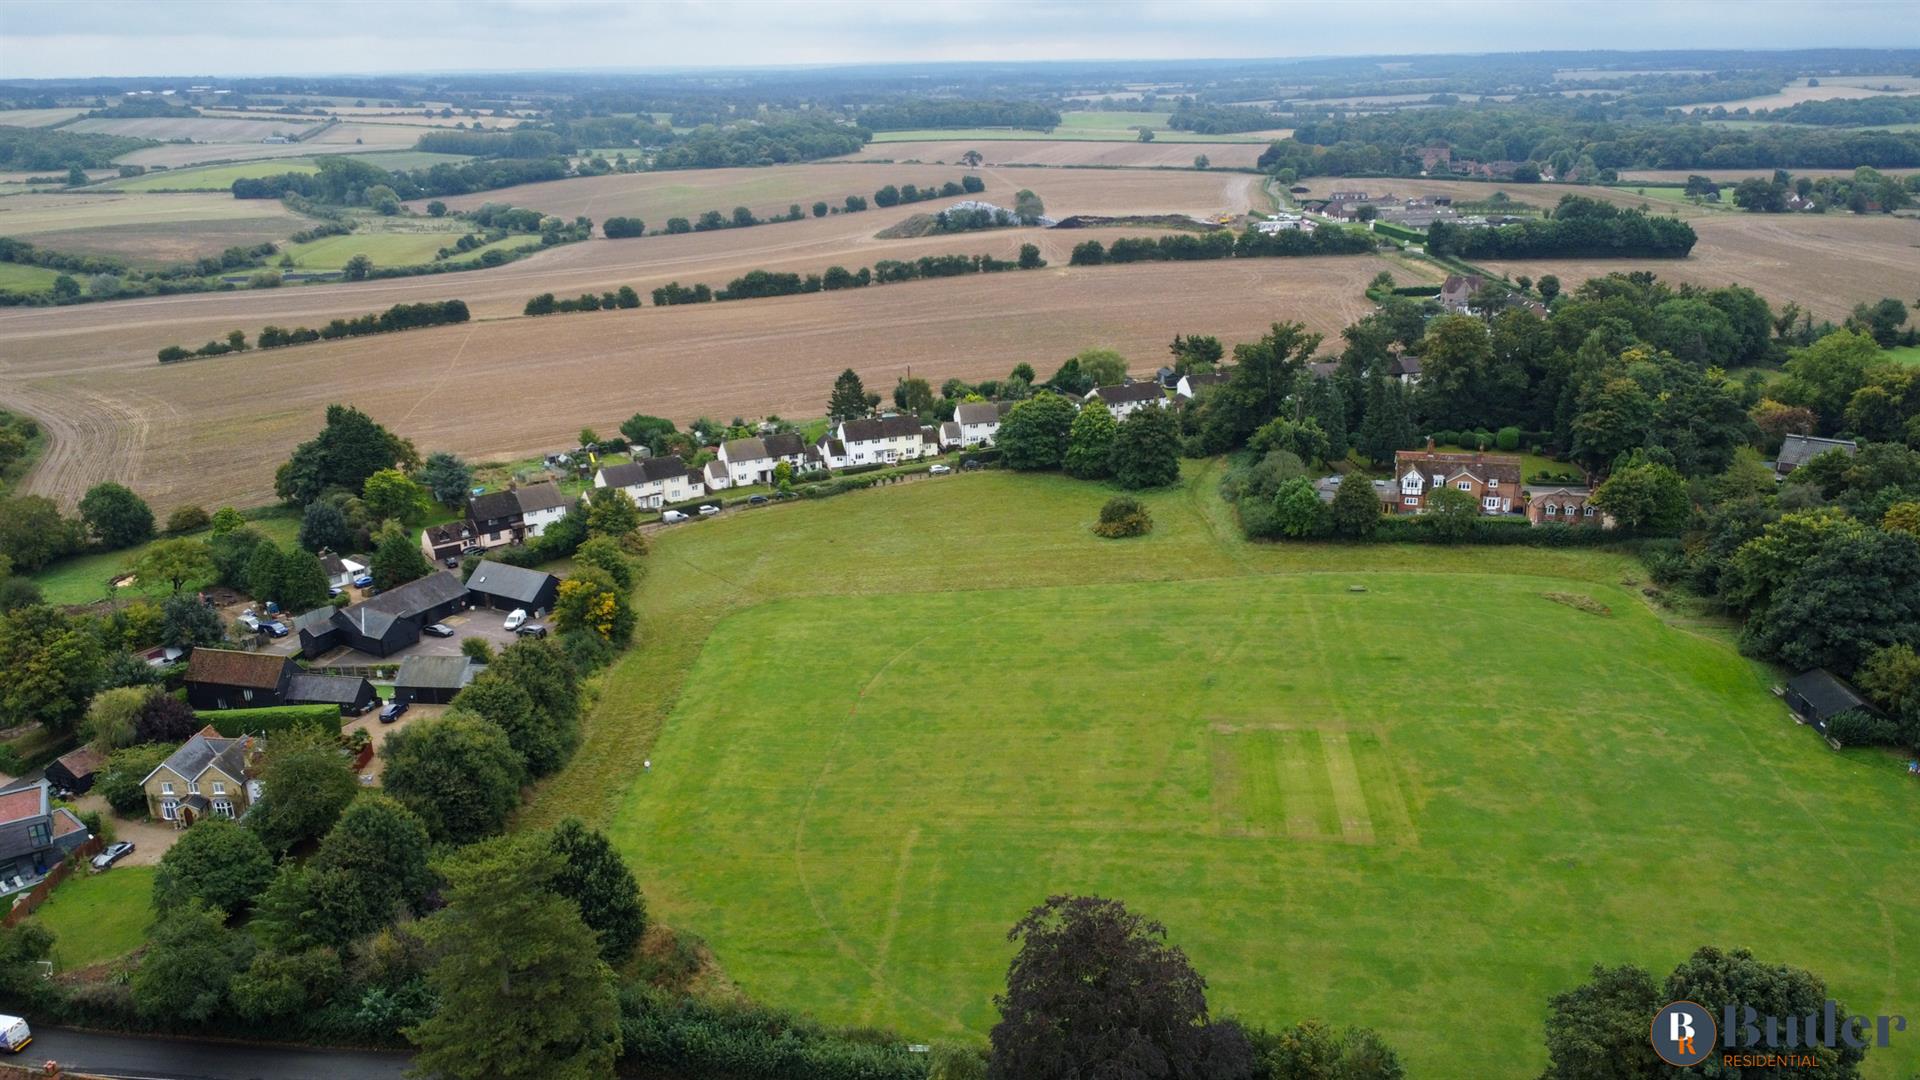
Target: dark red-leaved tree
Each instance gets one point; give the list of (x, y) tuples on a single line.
[(1096, 993)]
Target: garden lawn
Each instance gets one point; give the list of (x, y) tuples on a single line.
[(98, 917), (82, 579), (885, 724), (1906, 354)]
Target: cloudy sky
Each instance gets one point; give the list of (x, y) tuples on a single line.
[(63, 38)]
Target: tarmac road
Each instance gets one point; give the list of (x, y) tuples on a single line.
[(132, 1057)]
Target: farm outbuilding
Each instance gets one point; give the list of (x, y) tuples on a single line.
[(503, 587), (1817, 696), (434, 680), (74, 771)]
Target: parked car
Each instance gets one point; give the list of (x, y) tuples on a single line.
[(334, 590), (758, 500), (532, 630), (275, 629), (249, 620), (363, 581), (940, 470), (674, 517), (452, 562), (708, 509), (516, 618), (113, 854), (392, 711), (438, 629), (14, 1034), (973, 466)]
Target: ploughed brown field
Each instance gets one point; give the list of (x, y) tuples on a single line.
[(1826, 263), (655, 197), (211, 431)]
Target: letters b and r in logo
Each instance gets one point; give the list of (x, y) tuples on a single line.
[(1684, 1034)]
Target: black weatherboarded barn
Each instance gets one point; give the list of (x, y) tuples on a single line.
[(229, 679), (433, 680), (392, 621), (352, 693), (1818, 696), (503, 587)]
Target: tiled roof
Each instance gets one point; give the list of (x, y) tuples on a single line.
[(1502, 467), (1797, 450), (208, 748), (373, 617), (324, 689), (744, 449), (494, 505), (644, 471), (82, 761), (23, 803), (228, 667), (1130, 392), (544, 496), (885, 427), (512, 582), (446, 672), (787, 445), (977, 412)]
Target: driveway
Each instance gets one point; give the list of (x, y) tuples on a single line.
[(483, 623), (151, 839), (380, 733)]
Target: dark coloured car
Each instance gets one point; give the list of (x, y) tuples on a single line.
[(393, 711), (274, 629), (438, 630), (757, 500), (532, 630), (970, 466)]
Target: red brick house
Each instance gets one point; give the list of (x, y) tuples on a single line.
[(1563, 504), (1494, 480)]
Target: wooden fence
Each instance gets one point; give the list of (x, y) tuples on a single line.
[(24, 903)]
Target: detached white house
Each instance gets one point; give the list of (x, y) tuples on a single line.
[(541, 505), (752, 461), (979, 421), (1128, 398), (652, 482), (340, 572), (884, 441)]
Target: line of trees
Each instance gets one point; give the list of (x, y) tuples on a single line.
[(910, 193), (761, 283), (911, 115), (545, 304), (1578, 227), (1223, 244), (394, 319)]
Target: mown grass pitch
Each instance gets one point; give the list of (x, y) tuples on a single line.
[(890, 722)]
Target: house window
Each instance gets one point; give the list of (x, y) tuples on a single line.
[(1409, 502), (1552, 510), (1589, 511), (166, 789), (223, 808), (193, 787), (1491, 504), (40, 834), (219, 788), (1439, 480), (246, 695), (1465, 485), (169, 808)]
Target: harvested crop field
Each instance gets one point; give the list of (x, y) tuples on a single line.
[(211, 431), (1830, 89), (655, 197), (1227, 155), (1824, 262), (145, 229), (204, 129), (37, 117)]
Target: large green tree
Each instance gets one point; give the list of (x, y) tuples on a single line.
[(1598, 1030), (176, 562), (1264, 374), (390, 494), (1090, 442), (522, 990), (305, 784), (1356, 508), (49, 665), (849, 400), (1645, 497), (397, 560), (1036, 432), (597, 880), (1146, 449), (33, 533), (115, 516), (216, 862), (188, 965), (1856, 595), (447, 479), (458, 772), (324, 528), (350, 448)]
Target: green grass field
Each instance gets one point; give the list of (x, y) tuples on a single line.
[(1908, 354), (883, 725), (19, 277), (98, 917), (389, 249), (83, 579), (211, 177)]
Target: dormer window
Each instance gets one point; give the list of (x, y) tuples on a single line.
[(1439, 480), (1465, 485)]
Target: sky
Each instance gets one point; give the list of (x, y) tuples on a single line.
[(72, 38)]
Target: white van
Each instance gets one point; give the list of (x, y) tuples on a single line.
[(673, 517), (14, 1034)]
